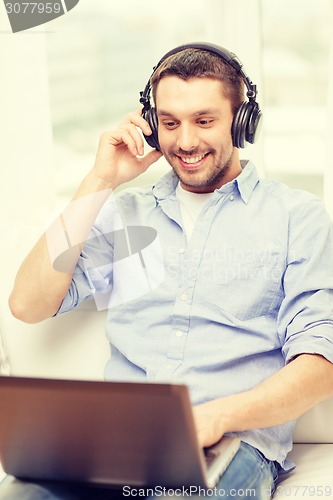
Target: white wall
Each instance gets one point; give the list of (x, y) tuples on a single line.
[(27, 196), (26, 155)]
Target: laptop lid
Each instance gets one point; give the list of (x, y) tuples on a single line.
[(111, 433)]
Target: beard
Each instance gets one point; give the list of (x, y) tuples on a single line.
[(210, 176)]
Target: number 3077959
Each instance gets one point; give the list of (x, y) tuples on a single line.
[(34, 8)]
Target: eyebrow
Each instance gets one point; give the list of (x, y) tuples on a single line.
[(208, 111)]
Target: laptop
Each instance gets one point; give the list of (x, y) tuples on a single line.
[(105, 433)]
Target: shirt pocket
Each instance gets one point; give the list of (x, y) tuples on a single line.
[(248, 290)]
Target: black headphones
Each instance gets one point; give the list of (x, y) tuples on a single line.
[(247, 118)]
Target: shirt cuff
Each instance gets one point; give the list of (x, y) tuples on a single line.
[(317, 339)]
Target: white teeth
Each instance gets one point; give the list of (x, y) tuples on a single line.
[(192, 159)]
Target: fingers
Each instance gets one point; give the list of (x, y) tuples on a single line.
[(128, 133), (130, 136), (138, 121)]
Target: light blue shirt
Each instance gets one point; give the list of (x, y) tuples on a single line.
[(250, 290)]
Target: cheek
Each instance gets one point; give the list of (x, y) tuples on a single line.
[(165, 140), (222, 139), (218, 137)]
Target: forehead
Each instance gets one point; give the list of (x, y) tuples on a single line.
[(176, 95)]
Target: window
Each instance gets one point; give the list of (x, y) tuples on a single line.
[(296, 43), (97, 71)]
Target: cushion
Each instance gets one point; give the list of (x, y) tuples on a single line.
[(315, 426), (313, 476)]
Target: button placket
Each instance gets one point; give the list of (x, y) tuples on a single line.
[(190, 257)]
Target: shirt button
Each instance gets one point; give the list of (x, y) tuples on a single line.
[(179, 334), (231, 197), (181, 250), (183, 297)]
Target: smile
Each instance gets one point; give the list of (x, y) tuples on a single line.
[(192, 159), (192, 162)]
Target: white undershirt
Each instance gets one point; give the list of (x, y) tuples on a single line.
[(191, 205)]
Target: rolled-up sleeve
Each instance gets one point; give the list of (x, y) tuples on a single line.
[(93, 274), (305, 320)]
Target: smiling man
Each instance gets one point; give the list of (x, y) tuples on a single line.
[(243, 315), (194, 132)]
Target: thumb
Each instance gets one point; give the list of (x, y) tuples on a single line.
[(151, 158)]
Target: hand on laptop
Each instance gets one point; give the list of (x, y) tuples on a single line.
[(209, 423)]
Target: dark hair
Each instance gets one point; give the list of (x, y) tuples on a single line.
[(198, 63)]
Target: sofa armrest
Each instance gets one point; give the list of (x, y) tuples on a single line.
[(315, 426)]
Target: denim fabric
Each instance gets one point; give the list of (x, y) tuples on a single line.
[(250, 474)]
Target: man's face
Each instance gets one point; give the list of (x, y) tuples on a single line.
[(194, 131)]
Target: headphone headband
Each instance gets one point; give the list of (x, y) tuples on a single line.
[(231, 59)]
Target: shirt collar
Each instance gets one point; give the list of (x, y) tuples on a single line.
[(165, 186), (245, 182)]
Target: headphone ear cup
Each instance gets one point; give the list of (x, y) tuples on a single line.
[(254, 124), (151, 117), (245, 124), (237, 128)]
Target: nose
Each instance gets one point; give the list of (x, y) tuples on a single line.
[(187, 137)]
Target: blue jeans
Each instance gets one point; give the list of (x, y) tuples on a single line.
[(250, 474)]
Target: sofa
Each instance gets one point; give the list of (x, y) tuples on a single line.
[(313, 455)]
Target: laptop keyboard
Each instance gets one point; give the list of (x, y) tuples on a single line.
[(210, 456)]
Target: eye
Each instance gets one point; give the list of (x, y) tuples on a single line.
[(205, 122), (169, 124)]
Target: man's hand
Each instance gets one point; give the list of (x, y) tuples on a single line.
[(120, 152), (209, 423), (284, 396)]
